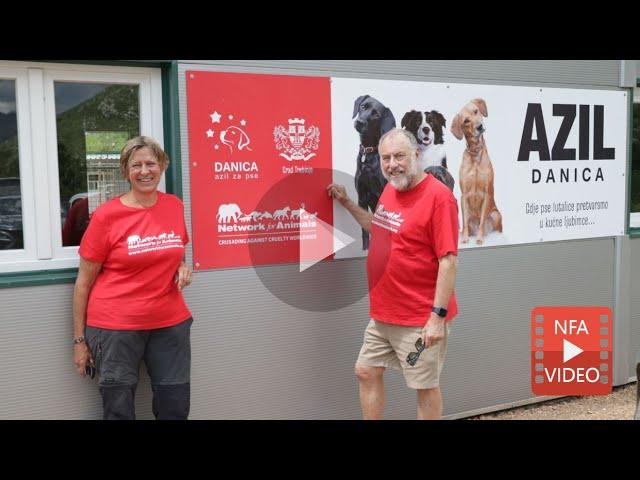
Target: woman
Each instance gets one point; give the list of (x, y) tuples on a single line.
[(129, 292)]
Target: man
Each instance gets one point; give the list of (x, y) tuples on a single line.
[(411, 270)]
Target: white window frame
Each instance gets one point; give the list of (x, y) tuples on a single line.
[(38, 150), (23, 116)]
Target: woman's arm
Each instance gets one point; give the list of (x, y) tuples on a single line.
[(87, 273)]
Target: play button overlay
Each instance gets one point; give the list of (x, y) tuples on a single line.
[(571, 350), (326, 242), (294, 255)]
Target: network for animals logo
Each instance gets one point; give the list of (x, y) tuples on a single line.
[(296, 142), (151, 243), (233, 222)]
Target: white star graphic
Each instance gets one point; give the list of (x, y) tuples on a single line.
[(243, 122), (215, 117), (216, 147), (230, 117), (210, 133)]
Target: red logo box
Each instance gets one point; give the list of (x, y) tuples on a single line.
[(571, 350)]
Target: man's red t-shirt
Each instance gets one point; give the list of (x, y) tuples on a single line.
[(410, 231), (140, 250)]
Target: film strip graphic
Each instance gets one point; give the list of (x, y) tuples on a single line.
[(571, 350)]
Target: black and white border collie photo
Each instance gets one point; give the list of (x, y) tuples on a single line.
[(428, 128)]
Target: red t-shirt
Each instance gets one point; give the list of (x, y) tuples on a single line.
[(410, 231), (140, 250), (76, 223)]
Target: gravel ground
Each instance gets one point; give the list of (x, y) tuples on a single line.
[(619, 405)]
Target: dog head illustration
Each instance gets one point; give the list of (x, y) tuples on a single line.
[(372, 118), (235, 136), (470, 120), (427, 127)]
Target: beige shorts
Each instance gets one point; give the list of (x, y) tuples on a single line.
[(387, 345)]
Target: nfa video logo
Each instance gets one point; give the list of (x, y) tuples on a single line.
[(571, 350)]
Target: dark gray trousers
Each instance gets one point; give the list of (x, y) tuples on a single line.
[(167, 355)]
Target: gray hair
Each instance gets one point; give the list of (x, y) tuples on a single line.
[(135, 144), (413, 143)]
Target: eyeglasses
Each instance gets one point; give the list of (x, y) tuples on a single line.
[(412, 358), (90, 370)]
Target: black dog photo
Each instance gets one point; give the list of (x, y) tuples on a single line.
[(372, 120)]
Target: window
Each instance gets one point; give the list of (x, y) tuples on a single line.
[(11, 237), (61, 131), (93, 122)]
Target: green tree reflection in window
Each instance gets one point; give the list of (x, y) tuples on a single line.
[(114, 108)]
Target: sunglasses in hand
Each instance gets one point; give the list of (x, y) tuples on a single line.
[(90, 370), (412, 358)]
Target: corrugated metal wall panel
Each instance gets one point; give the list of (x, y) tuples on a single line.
[(37, 376), (256, 357), (488, 361), (591, 73)]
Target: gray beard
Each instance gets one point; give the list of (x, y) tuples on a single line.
[(402, 182)]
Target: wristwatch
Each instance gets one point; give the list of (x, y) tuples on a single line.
[(78, 340), (441, 312)]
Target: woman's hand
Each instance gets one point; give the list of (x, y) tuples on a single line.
[(183, 276), (81, 357)]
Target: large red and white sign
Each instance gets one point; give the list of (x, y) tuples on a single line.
[(260, 161), (263, 149)]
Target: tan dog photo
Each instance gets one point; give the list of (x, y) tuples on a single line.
[(480, 215)]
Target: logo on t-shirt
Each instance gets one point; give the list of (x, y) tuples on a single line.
[(136, 244), (387, 219)]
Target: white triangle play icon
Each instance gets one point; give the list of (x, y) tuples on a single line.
[(569, 350), (319, 244)]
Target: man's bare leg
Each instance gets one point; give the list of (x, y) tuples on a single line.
[(430, 404), (372, 397)]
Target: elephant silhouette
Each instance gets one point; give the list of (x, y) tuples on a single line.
[(227, 212), (133, 239)]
